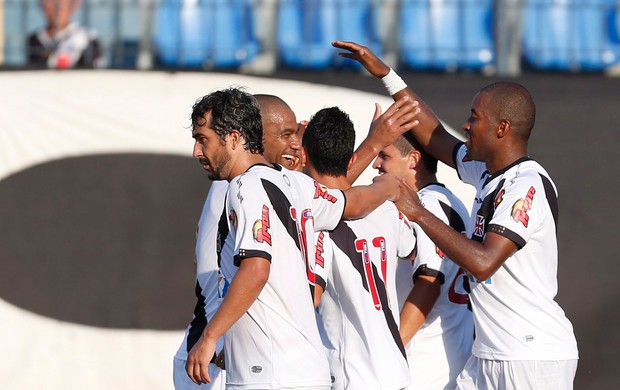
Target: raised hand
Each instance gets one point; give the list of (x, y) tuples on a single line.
[(399, 118), (364, 56)]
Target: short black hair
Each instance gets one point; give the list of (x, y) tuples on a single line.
[(231, 108), (329, 141), (513, 102)]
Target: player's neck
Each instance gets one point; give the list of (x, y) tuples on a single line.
[(336, 182), (244, 162)]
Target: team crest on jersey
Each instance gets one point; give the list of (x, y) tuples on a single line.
[(499, 198), (261, 227), (232, 217), (440, 253), (320, 249), (320, 191), (522, 206), (479, 228)]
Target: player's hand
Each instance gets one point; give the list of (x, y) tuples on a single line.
[(197, 365), (364, 56), (219, 360), (389, 183), (398, 119), (408, 202)]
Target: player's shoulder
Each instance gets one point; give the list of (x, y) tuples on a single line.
[(529, 174)]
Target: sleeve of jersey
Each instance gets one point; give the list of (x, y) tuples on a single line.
[(519, 210), (251, 216), (323, 258), (327, 206), (469, 171)]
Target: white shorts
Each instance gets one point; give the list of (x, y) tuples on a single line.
[(483, 374), (182, 381)]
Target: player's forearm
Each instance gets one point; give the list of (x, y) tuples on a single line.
[(244, 289), (430, 133), (366, 152), (362, 200), (418, 305), (469, 254)]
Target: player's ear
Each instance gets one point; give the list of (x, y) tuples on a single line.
[(352, 161), (304, 157), (414, 159), (503, 128), (234, 139)]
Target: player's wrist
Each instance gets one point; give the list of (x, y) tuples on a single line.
[(393, 82)]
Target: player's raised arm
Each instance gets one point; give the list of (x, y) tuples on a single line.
[(430, 133), (385, 128), (362, 200)]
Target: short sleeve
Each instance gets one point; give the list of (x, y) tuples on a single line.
[(520, 209), (327, 206), (251, 222)]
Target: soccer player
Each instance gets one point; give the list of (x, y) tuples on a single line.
[(523, 338), (282, 145), (435, 322), (267, 308), (356, 270)]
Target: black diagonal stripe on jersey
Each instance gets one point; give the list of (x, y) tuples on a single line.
[(454, 219), (487, 209), (344, 238), (198, 324), (282, 207), (552, 198), (222, 233)]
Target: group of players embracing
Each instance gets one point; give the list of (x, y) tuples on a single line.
[(305, 281)]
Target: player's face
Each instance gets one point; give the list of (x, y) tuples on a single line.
[(211, 152), (390, 160), (281, 140), (479, 129)]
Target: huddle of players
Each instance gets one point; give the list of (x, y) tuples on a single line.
[(392, 309)]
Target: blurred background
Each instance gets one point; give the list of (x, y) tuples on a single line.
[(99, 196), (503, 37)]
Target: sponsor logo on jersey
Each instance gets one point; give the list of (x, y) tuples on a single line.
[(320, 191), (261, 227), (522, 206), (320, 249), (479, 228), (499, 198)]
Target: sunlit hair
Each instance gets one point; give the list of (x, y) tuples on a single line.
[(329, 141), (230, 109)]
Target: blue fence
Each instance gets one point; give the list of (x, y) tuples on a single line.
[(444, 35)]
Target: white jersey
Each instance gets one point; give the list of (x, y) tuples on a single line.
[(515, 315), (276, 343), (359, 313), (321, 209), (440, 348), (211, 232)]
